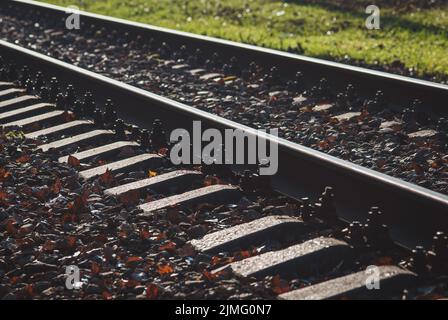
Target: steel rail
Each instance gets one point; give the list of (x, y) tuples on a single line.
[(398, 89), (412, 212)]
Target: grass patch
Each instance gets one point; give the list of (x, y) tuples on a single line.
[(418, 38)]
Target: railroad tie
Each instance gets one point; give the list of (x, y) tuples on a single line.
[(6, 85), (26, 111), (59, 129), (12, 92), (103, 151), (392, 281), (249, 234), (147, 159), (83, 137), (48, 117), (164, 181), (313, 256), (18, 102), (210, 194)]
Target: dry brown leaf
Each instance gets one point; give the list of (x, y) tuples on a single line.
[(4, 174), (3, 198), (152, 291), (56, 187), (170, 246), (29, 290), (71, 241), (107, 295), (164, 269), (73, 161), (42, 193), (68, 116), (279, 285), (107, 177), (211, 180), (186, 250), (133, 261), (144, 234), (95, 268), (23, 159), (209, 276), (152, 174), (10, 228), (49, 246), (130, 197), (384, 261), (163, 151), (78, 205)]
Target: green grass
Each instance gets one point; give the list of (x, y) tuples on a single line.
[(417, 38)]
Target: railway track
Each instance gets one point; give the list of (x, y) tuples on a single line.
[(261, 236), (391, 124), (222, 231)]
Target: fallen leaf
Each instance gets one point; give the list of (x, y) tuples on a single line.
[(161, 235), (211, 180), (417, 168), (323, 144), (243, 254), (56, 187), (279, 285), (163, 151), (384, 261), (73, 161), (23, 159), (78, 205), (152, 174), (10, 228), (68, 218), (3, 198), (132, 283), (107, 295), (49, 246), (4, 174), (101, 238), (68, 116), (170, 246), (15, 279), (71, 241), (144, 234), (132, 262), (186, 251), (130, 197), (164, 269), (42, 193), (29, 290), (149, 198), (152, 291), (208, 275), (122, 234), (95, 268), (215, 260), (107, 177)]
